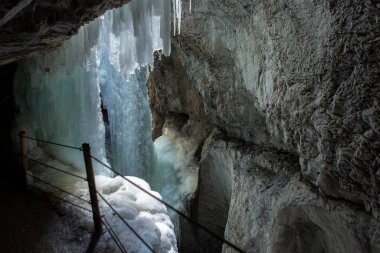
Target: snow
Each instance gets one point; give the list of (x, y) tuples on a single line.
[(147, 216)]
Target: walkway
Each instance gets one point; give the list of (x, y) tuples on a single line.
[(31, 223)]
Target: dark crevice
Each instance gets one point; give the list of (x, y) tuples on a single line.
[(107, 136), (11, 174)]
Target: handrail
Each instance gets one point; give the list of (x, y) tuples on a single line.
[(113, 235), (54, 168), (228, 243), (174, 209), (61, 199), (126, 223), (106, 225), (95, 211), (56, 187), (52, 143)]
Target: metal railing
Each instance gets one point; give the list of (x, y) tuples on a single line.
[(100, 220)]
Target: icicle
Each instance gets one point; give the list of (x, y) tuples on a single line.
[(165, 26), (174, 16), (179, 15), (177, 12), (190, 6)]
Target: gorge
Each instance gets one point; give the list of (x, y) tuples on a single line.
[(275, 103)]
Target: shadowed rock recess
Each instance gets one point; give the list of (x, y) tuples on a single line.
[(283, 97)]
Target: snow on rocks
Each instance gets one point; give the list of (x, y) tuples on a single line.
[(146, 215)]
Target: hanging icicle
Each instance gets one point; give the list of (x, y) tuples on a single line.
[(177, 16)]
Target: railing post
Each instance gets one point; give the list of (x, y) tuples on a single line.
[(23, 152), (92, 188)]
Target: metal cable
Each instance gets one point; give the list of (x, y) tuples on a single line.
[(64, 200), (54, 168), (136, 185), (104, 221), (49, 142), (126, 223), (113, 235), (173, 208), (55, 187), (111, 231)]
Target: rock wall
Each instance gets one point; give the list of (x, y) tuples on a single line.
[(274, 209), (293, 87), (297, 84), (31, 26)]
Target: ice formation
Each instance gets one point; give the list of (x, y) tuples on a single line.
[(147, 216), (58, 98), (177, 15), (175, 174), (59, 92), (93, 90)]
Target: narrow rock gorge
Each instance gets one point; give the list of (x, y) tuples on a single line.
[(281, 99)]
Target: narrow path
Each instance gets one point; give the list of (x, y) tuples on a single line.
[(32, 223)]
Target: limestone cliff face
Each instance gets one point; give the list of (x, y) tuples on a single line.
[(30, 26), (273, 209), (296, 83)]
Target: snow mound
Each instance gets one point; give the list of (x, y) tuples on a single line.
[(146, 215)]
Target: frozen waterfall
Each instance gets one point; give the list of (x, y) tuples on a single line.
[(61, 93), (93, 90)]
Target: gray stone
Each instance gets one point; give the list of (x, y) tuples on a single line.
[(29, 27), (295, 79)]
